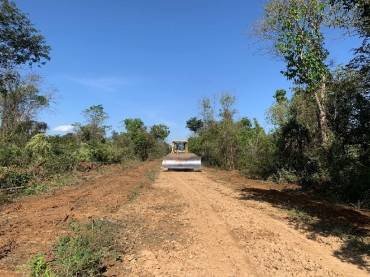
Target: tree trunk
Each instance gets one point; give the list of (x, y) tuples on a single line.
[(322, 121)]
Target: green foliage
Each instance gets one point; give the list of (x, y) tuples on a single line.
[(277, 114), (255, 149), (139, 136), (106, 153), (321, 135), (353, 17), (133, 125), (233, 144), (146, 142), (79, 253), (12, 179), (35, 189), (20, 42), (39, 147), (159, 132), (152, 174), (194, 124), (85, 153), (20, 96), (37, 267), (95, 130), (158, 149), (123, 144), (299, 216), (359, 244), (21, 101), (13, 155), (135, 192)]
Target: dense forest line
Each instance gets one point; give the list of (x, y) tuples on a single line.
[(320, 137)]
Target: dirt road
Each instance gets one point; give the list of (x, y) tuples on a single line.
[(224, 235), (206, 223)]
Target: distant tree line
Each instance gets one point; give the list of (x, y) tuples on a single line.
[(27, 154)]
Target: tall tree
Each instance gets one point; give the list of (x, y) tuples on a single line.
[(228, 130), (95, 130), (20, 42), (21, 101), (293, 31), (353, 16)]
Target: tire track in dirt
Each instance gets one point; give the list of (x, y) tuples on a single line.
[(220, 251), (229, 237)]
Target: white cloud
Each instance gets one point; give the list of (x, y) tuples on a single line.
[(63, 128), (106, 84)]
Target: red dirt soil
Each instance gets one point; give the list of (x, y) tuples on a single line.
[(209, 223)]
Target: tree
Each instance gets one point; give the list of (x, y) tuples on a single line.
[(194, 124), (207, 109), (159, 132), (95, 130), (278, 114), (20, 42), (227, 129), (20, 96), (293, 30), (354, 16), (349, 109), (21, 101), (232, 144), (139, 135)]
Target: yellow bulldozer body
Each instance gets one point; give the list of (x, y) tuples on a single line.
[(180, 158)]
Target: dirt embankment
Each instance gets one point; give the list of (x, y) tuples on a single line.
[(208, 223)]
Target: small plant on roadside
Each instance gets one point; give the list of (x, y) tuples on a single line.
[(135, 192), (37, 188), (116, 256), (359, 244), (129, 163), (37, 267), (342, 231), (79, 253), (299, 216), (152, 174)]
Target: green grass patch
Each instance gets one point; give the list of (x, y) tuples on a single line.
[(298, 216), (359, 244), (37, 267), (135, 192), (79, 253), (152, 174)]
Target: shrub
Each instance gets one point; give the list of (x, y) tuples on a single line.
[(12, 155), (14, 179), (39, 147), (81, 253), (85, 153)]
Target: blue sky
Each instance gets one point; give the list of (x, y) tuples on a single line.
[(154, 59)]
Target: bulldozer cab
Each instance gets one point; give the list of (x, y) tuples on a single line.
[(179, 146)]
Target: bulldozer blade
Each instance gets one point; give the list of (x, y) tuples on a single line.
[(182, 161)]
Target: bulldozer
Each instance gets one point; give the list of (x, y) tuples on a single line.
[(180, 158)]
